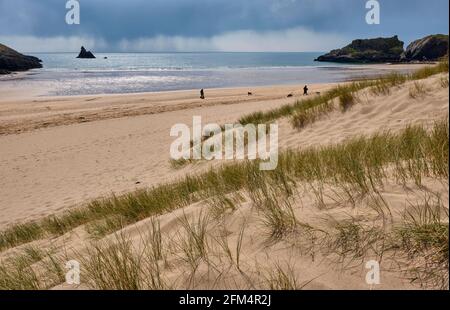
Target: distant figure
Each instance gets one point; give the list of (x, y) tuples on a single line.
[(202, 94), (250, 93), (290, 95), (305, 90)]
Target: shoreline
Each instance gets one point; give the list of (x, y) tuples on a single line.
[(15, 95), (41, 83), (19, 113)]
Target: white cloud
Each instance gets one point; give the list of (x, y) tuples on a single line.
[(290, 40), (163, 43), (51, 44)]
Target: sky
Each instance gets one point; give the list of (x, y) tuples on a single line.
[(212, 25)]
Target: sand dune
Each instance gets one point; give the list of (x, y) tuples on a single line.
[(19, 114), (372, 114)]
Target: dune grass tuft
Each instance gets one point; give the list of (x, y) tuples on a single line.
[(443, 82), (346, 101), (423, 236), (194, 243), (417, 90), (118, 265), (282, 278)]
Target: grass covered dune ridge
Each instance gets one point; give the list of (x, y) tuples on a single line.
[(352, 175), (306, 111)]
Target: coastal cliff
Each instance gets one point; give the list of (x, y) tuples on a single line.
[(367, 51), (431, 47), (11, 60), (382, 50)]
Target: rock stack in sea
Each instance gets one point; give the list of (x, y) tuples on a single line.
[(84, 54)]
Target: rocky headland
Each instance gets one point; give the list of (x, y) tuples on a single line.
[(11, 61), (389, 50)]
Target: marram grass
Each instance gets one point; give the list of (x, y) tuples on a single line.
[(357, 166)]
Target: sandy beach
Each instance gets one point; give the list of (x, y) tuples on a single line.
[(98, 145), (58, 153)]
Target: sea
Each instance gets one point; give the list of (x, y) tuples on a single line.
[(112, 73)]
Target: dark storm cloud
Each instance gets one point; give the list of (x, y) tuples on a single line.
[(115, 20)]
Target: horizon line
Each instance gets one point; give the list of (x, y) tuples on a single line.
[(175, 52)]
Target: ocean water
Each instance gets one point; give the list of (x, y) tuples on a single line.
[(64, 74)]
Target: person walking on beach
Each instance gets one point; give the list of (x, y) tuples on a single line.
[(202, 94), (305, 90)]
